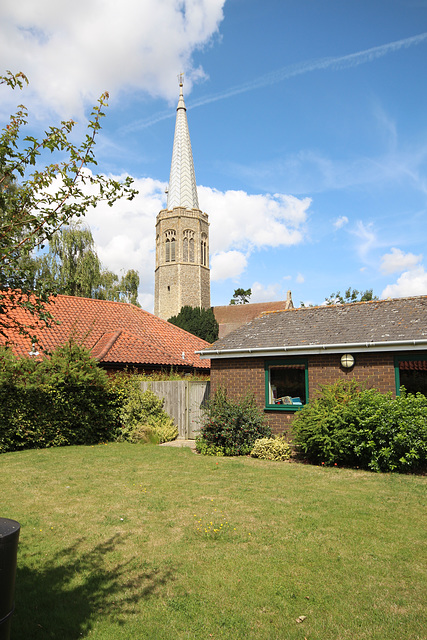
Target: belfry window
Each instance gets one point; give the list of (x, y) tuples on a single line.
[(170, 246), (204, 250), (157, 249), (188, 246)]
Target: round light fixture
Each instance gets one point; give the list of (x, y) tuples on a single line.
[(347, 360)]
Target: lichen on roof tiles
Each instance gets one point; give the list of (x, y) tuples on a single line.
[(373, 321)]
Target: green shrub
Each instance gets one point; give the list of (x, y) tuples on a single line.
[(143, 418), (152, 434), (208, 449), (61, 400), (271, 449), (68, 399), (231, 426), (392, 432), (359, 427), (325, 428)]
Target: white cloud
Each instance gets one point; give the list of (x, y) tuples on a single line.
[(241, 223), (245, 222), (340, 222), (261, 293), (367, 238), (396, 261), (227, 264), (73, 52), (410, 283), (124, 234), (300, 278)]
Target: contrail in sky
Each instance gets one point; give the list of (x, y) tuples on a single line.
[(337, 63)]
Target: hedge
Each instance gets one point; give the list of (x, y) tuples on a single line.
[(61, 400)]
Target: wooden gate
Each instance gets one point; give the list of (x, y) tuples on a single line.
[(184, 401)]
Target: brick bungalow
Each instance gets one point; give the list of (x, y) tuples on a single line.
[(118, 334), (284, 356)]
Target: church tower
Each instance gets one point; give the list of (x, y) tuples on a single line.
[(182, 275)]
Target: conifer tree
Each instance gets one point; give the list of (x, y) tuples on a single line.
[(200, 322)]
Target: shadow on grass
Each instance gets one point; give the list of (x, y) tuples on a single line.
[(72, 589)]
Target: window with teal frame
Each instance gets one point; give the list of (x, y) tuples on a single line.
[(411, 372), (286, 384)]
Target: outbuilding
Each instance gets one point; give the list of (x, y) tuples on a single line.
[(284, 357), (119, 335)]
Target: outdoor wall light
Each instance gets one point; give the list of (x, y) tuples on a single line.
[(347, 360)]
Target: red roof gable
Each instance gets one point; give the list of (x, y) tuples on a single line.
[(115, 332)]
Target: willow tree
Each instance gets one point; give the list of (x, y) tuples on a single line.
[(72, 267)]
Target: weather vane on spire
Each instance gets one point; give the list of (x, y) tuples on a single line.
[(181, 79)]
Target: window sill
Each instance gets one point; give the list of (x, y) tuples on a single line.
[(283, 407)]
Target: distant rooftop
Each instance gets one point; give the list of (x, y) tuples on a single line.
[(232, 316)]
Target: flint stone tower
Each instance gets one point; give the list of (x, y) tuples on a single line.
[(182, 275)]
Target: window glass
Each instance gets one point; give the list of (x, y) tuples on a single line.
[(414, 381), (286, 385), (411, 373)]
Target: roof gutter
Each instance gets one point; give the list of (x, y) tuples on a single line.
[(356, 347)]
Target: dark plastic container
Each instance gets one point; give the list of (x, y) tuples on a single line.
[(9, 536)]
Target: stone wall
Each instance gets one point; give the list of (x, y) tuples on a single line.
[(185, 279)]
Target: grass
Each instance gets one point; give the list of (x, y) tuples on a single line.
[(125, 541)]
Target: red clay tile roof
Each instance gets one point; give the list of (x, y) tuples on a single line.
[(232, 316), (115, 332)]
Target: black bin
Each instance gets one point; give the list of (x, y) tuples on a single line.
[(9, 536)]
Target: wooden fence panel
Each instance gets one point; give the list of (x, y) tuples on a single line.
[(198, 395), (183, 402)]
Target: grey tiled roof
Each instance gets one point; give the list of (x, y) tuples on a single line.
[(379, 321)]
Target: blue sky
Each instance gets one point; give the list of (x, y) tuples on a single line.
[(308, 123)]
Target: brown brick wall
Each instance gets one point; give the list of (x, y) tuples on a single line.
[(376, 369), (242, 375)]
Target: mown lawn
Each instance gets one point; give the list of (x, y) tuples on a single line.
[(124, 541)]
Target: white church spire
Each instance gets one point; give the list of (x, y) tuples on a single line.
[(182, 190)]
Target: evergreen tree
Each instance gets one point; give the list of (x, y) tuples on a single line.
[(200, 322), (350, 295), (241, 296)]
